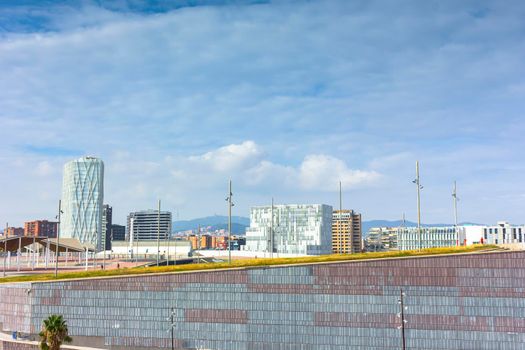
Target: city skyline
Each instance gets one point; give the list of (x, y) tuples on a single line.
[(286, 99)]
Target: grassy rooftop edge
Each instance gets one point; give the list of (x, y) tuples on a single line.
[(247, 263)]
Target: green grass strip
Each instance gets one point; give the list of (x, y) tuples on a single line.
[(245, 263)]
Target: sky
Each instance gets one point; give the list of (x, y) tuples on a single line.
[(285, 98)]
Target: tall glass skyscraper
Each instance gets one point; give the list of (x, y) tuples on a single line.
[(82, 200)]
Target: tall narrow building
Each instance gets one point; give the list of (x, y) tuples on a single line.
[(107, 222), (346, 232), (82, 200)]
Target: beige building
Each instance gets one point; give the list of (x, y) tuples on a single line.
[(346, 232)]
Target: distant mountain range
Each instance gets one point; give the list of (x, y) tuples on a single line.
[(239, 224), (216, 222)]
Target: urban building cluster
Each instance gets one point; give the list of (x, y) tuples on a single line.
[(305, 229), (301, 229), (200, 241), (295, 229), (408, 238), (35, 228)]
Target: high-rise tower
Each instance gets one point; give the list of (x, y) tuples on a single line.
[(346, 232), (107, 222), (82, 200)]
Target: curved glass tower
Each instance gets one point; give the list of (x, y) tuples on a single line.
[(82, 200)]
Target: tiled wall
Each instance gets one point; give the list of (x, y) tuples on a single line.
[(15, 307), (472, 301), (8, 345)]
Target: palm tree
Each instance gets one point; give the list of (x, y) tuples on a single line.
[(54, 333)]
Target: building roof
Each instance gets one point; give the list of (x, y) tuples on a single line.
[(11, 244), (71, 244)]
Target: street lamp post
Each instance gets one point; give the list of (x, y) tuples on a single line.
[(5, 246), (401, 315), (58, 236), (419, 188), (230, 205), (171, 319), (456, 199)]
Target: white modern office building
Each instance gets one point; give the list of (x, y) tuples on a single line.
[(82, 200), (408, 238), (148, 225), (304, 229), (501, 233)]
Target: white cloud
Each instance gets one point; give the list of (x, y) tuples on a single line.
[(270, 174), (324, 172), (305, 81), (316, 173), (233, 157)]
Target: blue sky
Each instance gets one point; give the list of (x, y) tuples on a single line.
[(284, 97)]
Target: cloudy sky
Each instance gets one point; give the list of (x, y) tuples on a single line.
[(286, 98)]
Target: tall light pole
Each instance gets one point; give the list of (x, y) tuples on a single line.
[(172, 327), (58, 236), (199, 236), (5, 245), (230, 205), (401, 315), (271, 233), (168, 236), (158, 233), (456, 199), (419, 188)]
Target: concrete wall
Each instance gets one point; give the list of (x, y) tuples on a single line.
[(474, 301)]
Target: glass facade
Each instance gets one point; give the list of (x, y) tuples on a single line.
[(431, 237), (295, 229), (148, 225), (82, 200)]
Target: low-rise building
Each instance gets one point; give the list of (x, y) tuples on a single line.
[(409, 238), (13, 231), (379, 239), (501, 233), (41, 228)]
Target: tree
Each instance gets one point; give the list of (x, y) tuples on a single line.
[(54, 333)]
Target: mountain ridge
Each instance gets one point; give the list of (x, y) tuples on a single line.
[(239, 224)]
